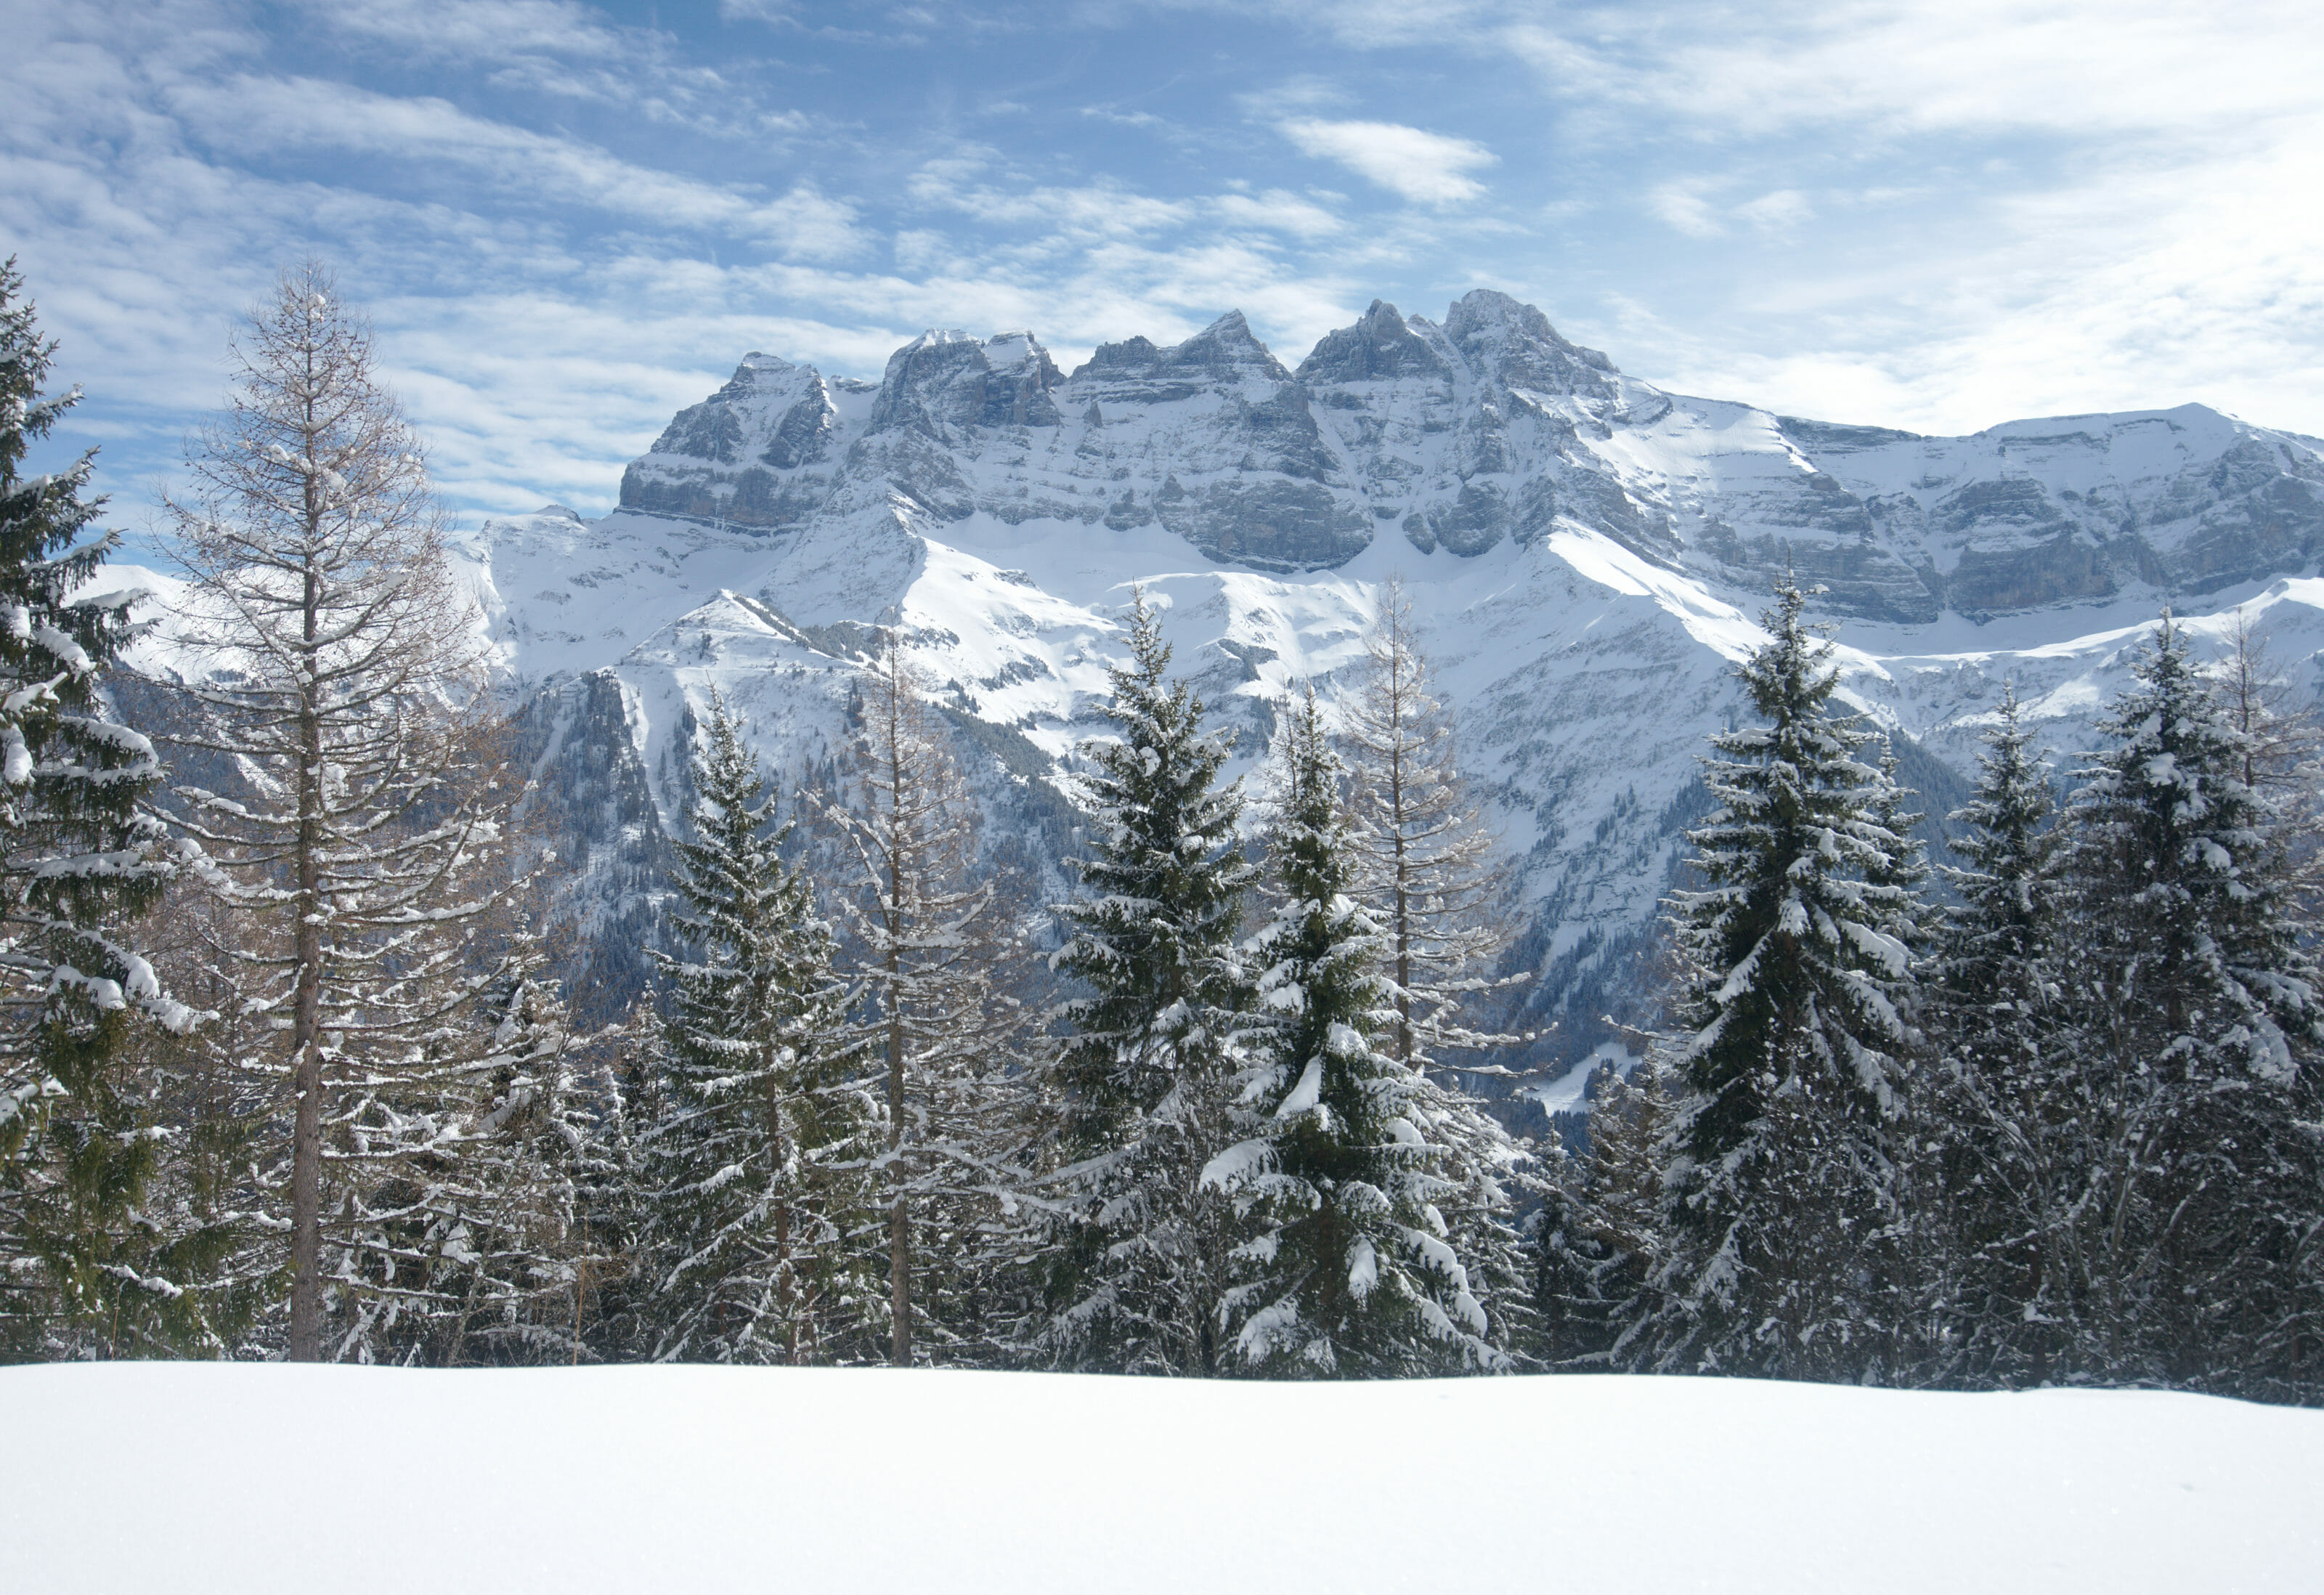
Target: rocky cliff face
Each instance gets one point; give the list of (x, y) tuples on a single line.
[(1488, 429), (1586, 554)]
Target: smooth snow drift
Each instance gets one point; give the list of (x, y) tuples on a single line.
[(255, 1479)]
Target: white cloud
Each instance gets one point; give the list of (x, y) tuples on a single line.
[(1776, 211), (1896, 65), (2157, 286), (1879, 67), (1683, 207), (469, 30), (1105, 208), (1278, 211), (302, 115), (1427, 168)]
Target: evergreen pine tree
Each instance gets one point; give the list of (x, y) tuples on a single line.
[(1600, 1231), (543, 1154), (1350, 1269), (2193, 1051), (1783, 1180), (1140, 1078), (1989, 1195), (81, 1267), (475, 1247), (755, 1164)]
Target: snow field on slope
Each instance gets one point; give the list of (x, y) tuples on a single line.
[(253, 1478)]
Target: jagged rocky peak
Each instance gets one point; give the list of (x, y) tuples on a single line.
[(1227, 348), (1514, 343), (944, 380), (755, 452), (1381, 347), (749, 410), (1490, 428), (1222, 357)]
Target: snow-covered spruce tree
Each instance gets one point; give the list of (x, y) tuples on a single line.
[(2192, 1047), (618, 1289), (475, 1246), (1348, 1268), (1140, 1078), (755, 1168), (1423, 858), (1599, 1230), (1425, 854), (221, 1172), (548, 1130), (339, 690), (79, 1272), (929, 939), (1989, 1197), (1785, 1257)]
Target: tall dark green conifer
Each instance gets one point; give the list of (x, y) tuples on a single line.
[(1351, 1269), (474, 1247), (77, 863), (1786, 1258), (755, 1167), (1990, 1195), (2191, 1052), (1600, 1235), (1141, 1075)]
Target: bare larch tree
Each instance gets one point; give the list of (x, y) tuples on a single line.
[(337, 678), (930, 943), (1425, 847)]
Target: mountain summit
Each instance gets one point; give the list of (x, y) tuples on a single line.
[(1586, 555)]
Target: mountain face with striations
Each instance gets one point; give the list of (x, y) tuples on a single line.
[(1587, 556)]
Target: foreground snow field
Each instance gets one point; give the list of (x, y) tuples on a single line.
[(254, 1479)]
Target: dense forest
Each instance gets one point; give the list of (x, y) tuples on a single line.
[(285, 1073)]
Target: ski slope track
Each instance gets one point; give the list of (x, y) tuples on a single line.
[(269, 1478), (1587, 557)]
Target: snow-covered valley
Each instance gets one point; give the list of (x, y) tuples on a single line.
[(1586, 554), (253, 1479)]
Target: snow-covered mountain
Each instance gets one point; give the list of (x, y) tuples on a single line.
[(1586, 553)]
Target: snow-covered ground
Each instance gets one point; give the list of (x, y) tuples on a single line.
[(255, 1479)]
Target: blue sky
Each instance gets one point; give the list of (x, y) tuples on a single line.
[(567, 221)]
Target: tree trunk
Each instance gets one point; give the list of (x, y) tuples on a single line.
[(899, 1221), (899, 1218), (1403, 871), (306, 1209), (307, 1013), (785, 1290)]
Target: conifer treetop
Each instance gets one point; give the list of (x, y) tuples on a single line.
[(1166, 876), (2015, 854), (2167, 816), (1351, 1269), (1809, 912), (77, 856)]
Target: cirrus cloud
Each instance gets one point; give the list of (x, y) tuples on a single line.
[(1425, 168)]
